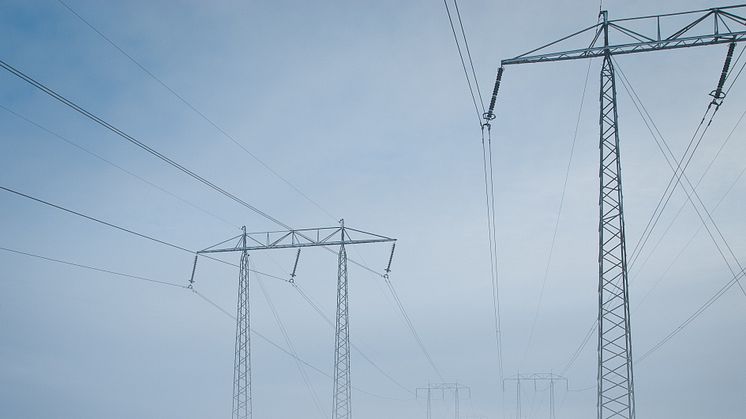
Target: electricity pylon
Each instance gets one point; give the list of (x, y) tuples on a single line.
[(294, 239), (539, 377), (713, 26), (456, 388)]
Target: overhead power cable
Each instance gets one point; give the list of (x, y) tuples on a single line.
[(196, 292), (689, 189), (138, 143), (571, 362), (91, 268), (122, 169), (195, 109), (147, 148), (489, 191), (468, 54), (96, 220), (289, 342), (126, 230), (573, 358), (463, 61), (691, 239), (321, 313), (680, 172), (559, 214), (280, 348), (728, 285), (412, 329)]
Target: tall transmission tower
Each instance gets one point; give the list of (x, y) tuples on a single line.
[(454, 388), (536, 378), (326, 237), (713, 26)]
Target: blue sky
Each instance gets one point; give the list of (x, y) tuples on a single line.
[(362, 106)]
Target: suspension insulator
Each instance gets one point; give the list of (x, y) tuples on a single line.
[(718, 94), (489, 115)]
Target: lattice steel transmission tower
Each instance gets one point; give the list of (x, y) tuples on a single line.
[(536, 378), (632, 35), (242, 408), (342, 407), (455, 388), (327, 237)]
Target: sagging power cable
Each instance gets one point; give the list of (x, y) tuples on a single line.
[(681, 166), (463, 61), (195, 292), (124, 229), (191, 106), (30, 80), (289, 342), (116, 166), (91, 268), (689, 189), (326, 319), (559, 213)]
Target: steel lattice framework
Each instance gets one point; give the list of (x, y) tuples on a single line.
[(342, 407), (546, 377), (713, 26), (455, 388), (615, 384), (242, 361), (294, 239)]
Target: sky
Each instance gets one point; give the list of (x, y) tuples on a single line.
[(362, 107)]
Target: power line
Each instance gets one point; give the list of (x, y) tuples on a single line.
[(291, 347), (691, 239), (195, 110), (96, 220), (575, 355), (728, 285), (559, 213), (468, 54), (412, 329), (355, 347), (127, 230), (627, 85), (109, 162), (137, 142), (677, 177), (491, 234), (196, 292), (147, 148), (92, 268), (463, 62), (172, 245), (635, 99), (570, 363), (280, 348)]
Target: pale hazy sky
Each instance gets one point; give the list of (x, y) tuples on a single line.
[(364, 107)]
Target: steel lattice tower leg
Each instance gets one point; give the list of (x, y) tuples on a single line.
[(615, 383), (429, 403), (342, 408), (242, 361)]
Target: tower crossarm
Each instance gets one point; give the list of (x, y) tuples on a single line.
[(643, 34), (296, 239)]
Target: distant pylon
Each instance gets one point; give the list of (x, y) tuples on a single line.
[(539, 377), (443, 387)]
